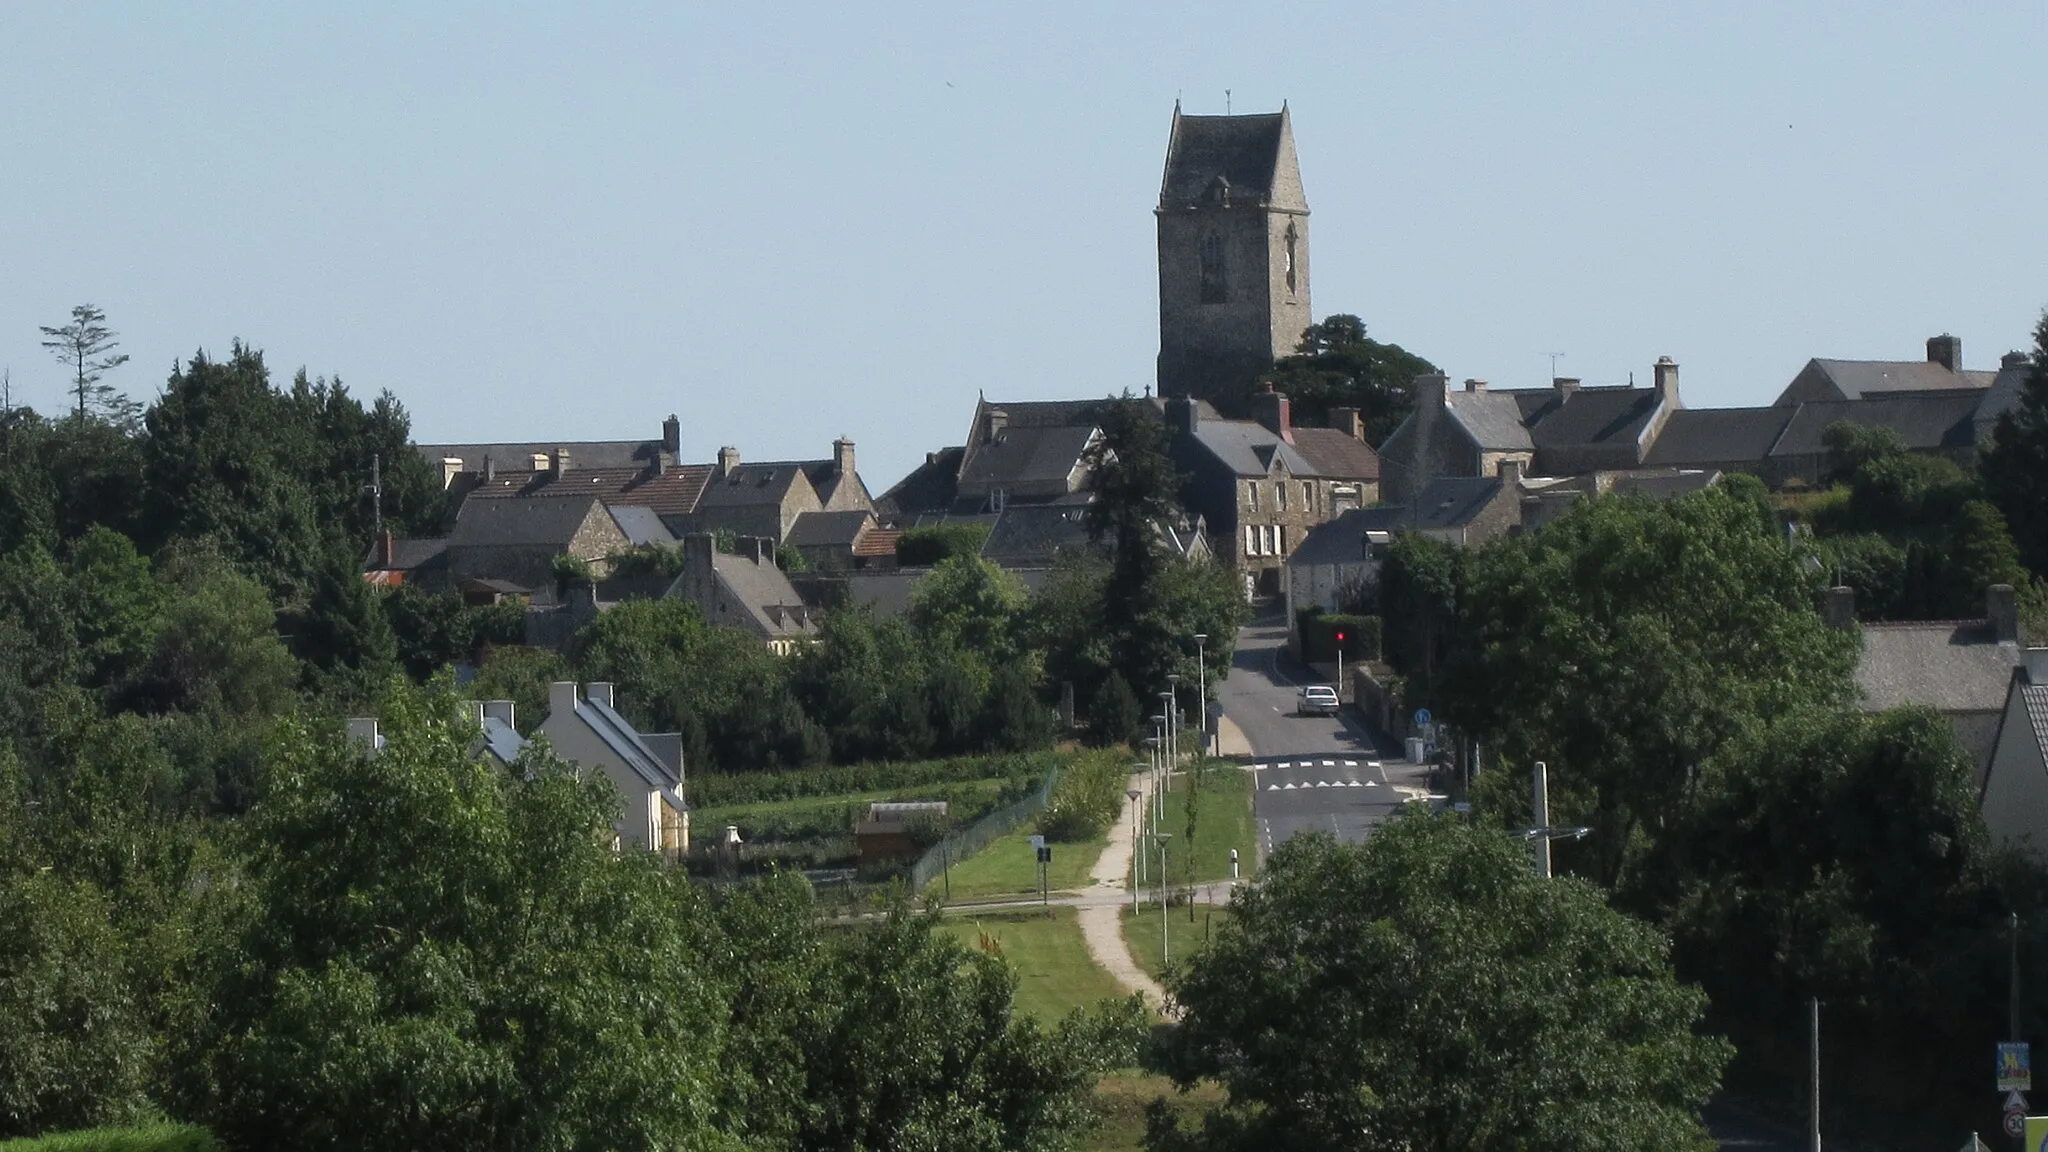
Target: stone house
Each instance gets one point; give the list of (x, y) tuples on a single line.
[(766, 499), (1960, 668), (1563, 430), (647, 770), (1941, 371), (1261, 485), (745, 590), (2015, 794), (516, 541)]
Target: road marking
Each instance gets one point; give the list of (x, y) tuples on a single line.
[(1351, 783), (1272, 787), (1322, 783), (1290, 785), (1329, 763), (1351, 763)]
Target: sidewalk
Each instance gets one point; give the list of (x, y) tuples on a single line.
[(1101, 924), (1230, 739)]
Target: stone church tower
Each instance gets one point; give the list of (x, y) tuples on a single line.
[(1233, 253)]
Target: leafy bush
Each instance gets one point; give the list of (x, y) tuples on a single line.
[(1319, 636), (1087, 799), (156, 1138), (1114, 714), (925, 547), (661, 559)]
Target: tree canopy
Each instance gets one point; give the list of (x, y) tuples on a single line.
[(1338, 366)]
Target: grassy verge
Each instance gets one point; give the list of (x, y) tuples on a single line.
[(1008, 867), (1185, 934), (156, 1138), (1120, 1102), (1223, 811), (1054, 972)]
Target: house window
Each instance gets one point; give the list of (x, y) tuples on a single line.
[(1280, 496), (1279, 539), (1215, 287), (1251, 540), (1251, 495)]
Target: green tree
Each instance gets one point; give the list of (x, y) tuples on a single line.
[(86, 348), (1426, 990), (967, 604), (2015, 466), (1338, 366), (441, 954), (1114, 715), (1626, 645)]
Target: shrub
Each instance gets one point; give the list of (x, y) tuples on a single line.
[(1319, 636), (156, 1138), (1114, 715), (1087, 799), (720, 789), (925, 547)]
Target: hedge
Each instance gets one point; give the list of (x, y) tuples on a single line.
[(725, 789), (1319, 636), (925, 547)]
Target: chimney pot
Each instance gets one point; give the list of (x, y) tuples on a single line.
[(1565, 385), (1474, 384), (2002, 608), (728, 460), (672, 438), (561, 462), (1348, 421), (562, 698), (1947, 351), (1181, 415), (2013, 360), (1840, 607), (842, 457), (1274, 412), (502, 710), (598, 692), (1510, 471), (1665, 373), (386, 546)]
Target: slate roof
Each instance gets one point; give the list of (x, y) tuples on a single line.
[(502, 740), (1451, 501), (1718, 435), (930, 487), (1666, 486), (537, 521), (1029, 454), (828, 529), (642, 526), (752, 484), (1493, 419), (2035, 698), (1337, 454), (1244, 150), (519, 457), (2004, 394), (1927, 420), (1948, 665), (1026, 535), (1586, 416), (1342, 541), (408, 553), (1862, 378), (765, 592), (633, 751), (1249, 448), (670, 492)]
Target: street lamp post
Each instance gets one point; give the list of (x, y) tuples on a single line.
[(1202, 688), (1137, 857), (1162, 837), (1157, 742)]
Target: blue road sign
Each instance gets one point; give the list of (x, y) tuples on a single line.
[(1422, 718)]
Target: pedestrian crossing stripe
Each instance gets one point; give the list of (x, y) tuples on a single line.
[(1329, 763)]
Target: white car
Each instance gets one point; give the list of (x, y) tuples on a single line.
[(1317, 700)]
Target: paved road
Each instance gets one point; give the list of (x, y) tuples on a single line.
[(1322, 773)]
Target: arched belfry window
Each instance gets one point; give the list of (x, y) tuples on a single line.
[(1292, 235), (1215, 286)]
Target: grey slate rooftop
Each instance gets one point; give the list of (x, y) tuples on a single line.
[(1243, 150), (1948, 665)]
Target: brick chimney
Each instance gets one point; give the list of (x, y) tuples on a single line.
[(1566, 386), (728, 460), (671, 439), (759, 549), (1510, 472), (2013, 360), (385, 548), (1474, 384), (500, 710), (2002, 609), (1946, 350), (1348, 421), (1839, 607), (1272, 410), (598, 692), (842, 457), (1182, 415), (560, 463)]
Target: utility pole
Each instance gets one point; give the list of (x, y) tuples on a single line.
[(2012, 1031), (1813, 1109), (1542, 820)]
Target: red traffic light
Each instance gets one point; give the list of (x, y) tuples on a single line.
[(1340, 637)]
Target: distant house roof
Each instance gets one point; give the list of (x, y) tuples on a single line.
[(1343, 540), (1923, 421), (930, 487), (642, 526), (1337, 454), (828, 529), (1951, 666), (1527, 419), (878, 542), (2004, 394), (1242, 150), (1248, 448), (502, 741), (632, 750), (669, 492), (408, 553), (1451, 501), (1034, 535), (1718, 435), (533, 522), (763, 591), (1028, 455), (752, 484), (1492, 419), (1664, 486), (519, 457), (1859, 379)]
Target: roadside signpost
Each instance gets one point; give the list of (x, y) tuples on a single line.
[(1044, 852), (2015, 1069)]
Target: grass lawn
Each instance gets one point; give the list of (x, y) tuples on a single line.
[(1223, 821), (1054, 973), (1120, 1101), (1009, 868), (1183, 936)]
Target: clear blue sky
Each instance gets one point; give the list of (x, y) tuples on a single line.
[(785, 224)]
